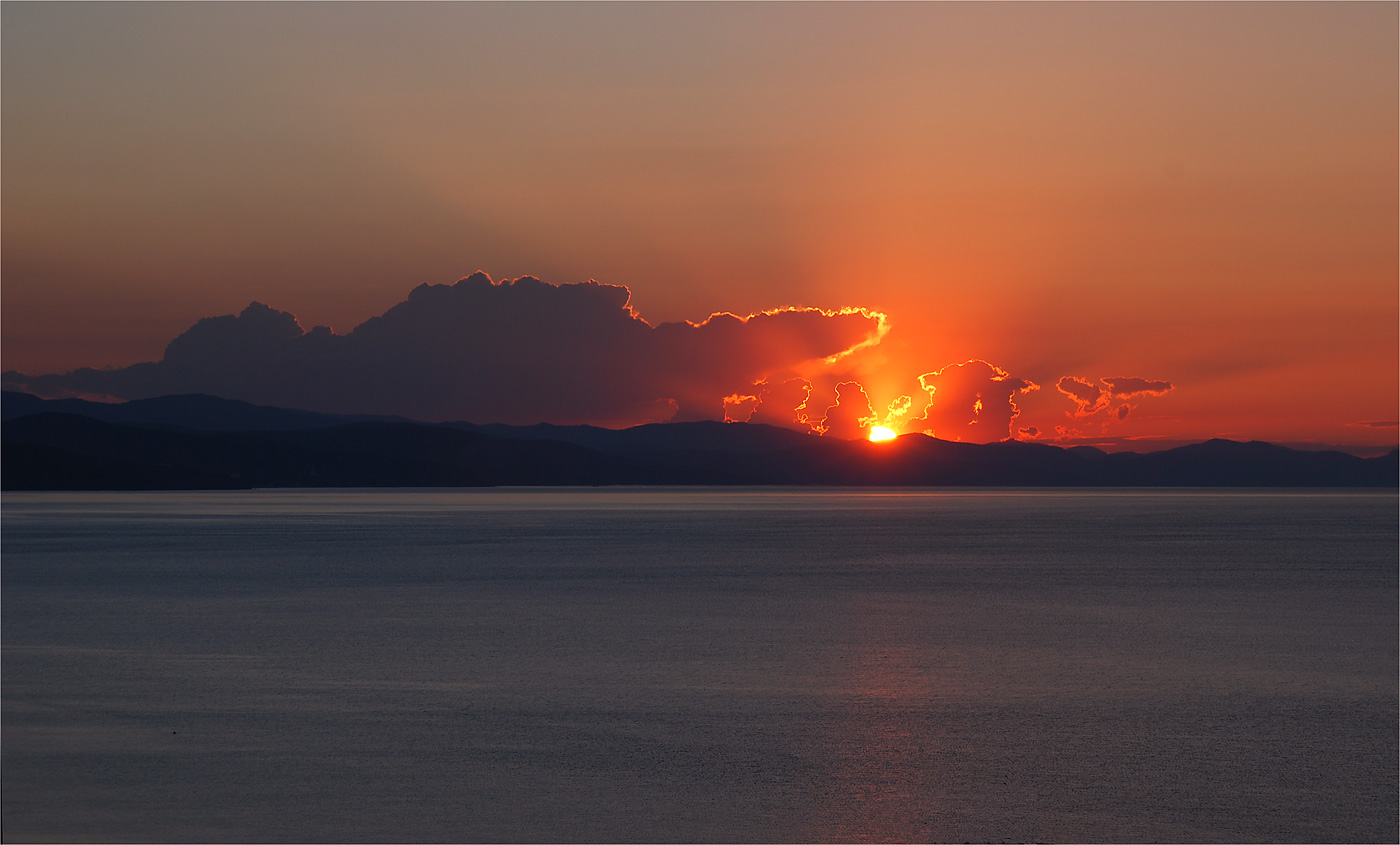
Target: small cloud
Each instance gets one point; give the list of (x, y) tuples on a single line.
[(1030, 432), (1123, 387), (852, 415), (1376, 424), (738, 408), (783, 403), (1088, 397), (897, 410)]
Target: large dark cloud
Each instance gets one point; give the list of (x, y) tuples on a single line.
[(518, 352)]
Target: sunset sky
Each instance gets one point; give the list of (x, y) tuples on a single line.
[(1142, 223)]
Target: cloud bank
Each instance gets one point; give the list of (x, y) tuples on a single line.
[(520, 352)]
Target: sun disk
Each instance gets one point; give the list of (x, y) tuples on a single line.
[(879, 432)]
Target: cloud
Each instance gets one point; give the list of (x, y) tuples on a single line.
[(520, 351), (1376, 424), (783, 403), (1123, 387), (973, 402), (897, 411), (851, 417), (691, 359), (738, 407), (1089, 398)]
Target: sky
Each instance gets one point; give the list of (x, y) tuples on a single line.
[(1131, 225)]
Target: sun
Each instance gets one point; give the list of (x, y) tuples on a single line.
[(879, 432)]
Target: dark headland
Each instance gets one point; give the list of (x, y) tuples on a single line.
[(207, 443)]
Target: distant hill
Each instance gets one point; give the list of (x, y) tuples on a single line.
[(203, 442), (70, 452), (657, 438), (196, 412)]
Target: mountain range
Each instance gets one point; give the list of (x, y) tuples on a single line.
[(204, 442)]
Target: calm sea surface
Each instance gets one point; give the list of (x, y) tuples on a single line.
[(700, 665)]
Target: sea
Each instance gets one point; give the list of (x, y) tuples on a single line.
[(700, 665)]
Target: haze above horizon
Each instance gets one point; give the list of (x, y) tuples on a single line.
[(1109, 223)]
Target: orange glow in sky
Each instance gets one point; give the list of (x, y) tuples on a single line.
[(1129, 225)]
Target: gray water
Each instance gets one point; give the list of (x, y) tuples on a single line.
[(700, 665)]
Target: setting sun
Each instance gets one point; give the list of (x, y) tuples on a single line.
[(879, 432)]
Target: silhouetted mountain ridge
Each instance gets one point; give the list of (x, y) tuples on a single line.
[(195, 411), (203, 442), (652, 438), (53, 451)]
